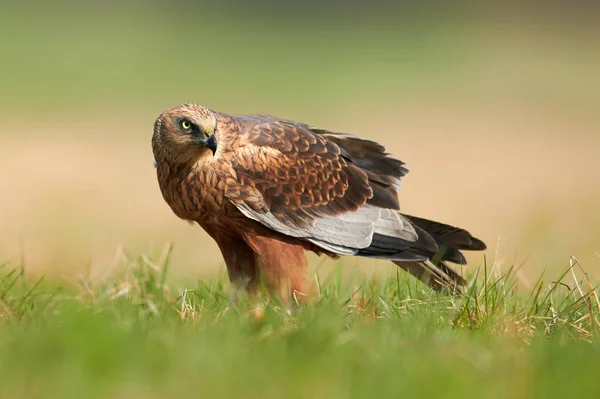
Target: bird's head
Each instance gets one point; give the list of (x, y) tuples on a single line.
[(185, 133)]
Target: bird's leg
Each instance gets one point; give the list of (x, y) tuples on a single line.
[(240, 261)]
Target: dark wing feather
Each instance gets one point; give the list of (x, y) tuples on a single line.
[(309, 189), (383, 169), (368, 155)]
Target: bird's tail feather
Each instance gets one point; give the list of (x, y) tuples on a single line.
[(444, 234), (440, 277)]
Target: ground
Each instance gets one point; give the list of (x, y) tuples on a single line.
[(131, 335)]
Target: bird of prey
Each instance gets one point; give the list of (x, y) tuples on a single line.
[(268, 189)]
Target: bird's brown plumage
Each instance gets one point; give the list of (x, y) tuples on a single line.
[(267, 189)]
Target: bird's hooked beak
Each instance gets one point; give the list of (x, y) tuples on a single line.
[(210, 142)]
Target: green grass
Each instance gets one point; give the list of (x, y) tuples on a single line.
[(132, 335)]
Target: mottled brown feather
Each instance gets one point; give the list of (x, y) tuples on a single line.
[(306, 176)]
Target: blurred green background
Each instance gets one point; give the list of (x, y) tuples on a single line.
[(494, 109)]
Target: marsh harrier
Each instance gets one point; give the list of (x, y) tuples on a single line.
[(267, 189)]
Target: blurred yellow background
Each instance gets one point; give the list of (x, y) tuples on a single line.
[(495, 111)]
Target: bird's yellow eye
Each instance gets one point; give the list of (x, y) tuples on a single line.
[(186, 125)]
